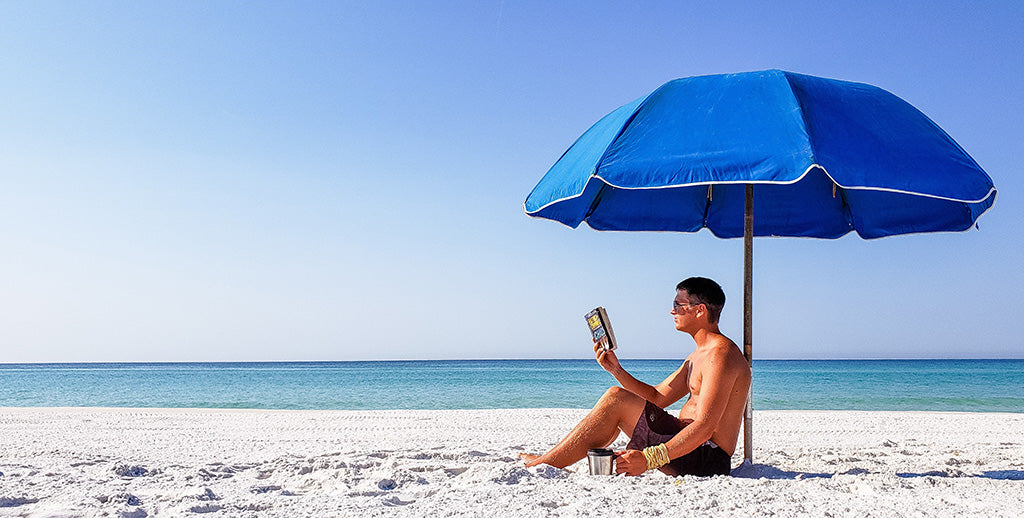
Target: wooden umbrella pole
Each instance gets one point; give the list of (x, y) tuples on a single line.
[(748, 325)]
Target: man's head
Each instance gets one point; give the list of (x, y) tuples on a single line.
[(700, 290)]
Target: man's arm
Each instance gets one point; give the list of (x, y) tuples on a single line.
[(672, 389), (718, 380)]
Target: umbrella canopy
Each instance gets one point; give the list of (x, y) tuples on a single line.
[(768, 153), (826, 157)]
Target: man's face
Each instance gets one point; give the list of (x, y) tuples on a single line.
[(683, 311)]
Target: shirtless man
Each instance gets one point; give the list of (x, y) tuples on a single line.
[(702, 441)]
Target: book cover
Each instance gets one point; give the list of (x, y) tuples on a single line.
[(601, 328)]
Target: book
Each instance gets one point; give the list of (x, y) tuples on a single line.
[(601, 328)]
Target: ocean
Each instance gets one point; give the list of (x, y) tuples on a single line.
[(940, 385)]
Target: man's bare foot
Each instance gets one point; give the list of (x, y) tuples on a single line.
[(531, 460)]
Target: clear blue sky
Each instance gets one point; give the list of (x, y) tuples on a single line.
[(218, 181)]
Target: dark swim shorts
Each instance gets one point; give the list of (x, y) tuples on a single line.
[(657, 426)]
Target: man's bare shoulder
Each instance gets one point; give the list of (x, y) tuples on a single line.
[(724, 350), (719, 343)]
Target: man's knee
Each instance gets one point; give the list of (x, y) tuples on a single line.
[(617, 393), (624, 404)]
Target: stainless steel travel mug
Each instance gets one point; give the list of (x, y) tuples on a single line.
[(601, 461)]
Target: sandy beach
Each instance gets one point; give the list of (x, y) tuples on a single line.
[(182, 462)]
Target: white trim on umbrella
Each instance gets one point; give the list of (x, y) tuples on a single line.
[(764, 182)]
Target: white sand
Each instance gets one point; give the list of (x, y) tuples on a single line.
[(172, 462)]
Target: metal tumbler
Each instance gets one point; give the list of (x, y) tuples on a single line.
[(601, 461)]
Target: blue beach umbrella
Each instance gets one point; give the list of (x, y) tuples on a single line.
[(768, 153)]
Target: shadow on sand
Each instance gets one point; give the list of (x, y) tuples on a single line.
[(1004, 474), (748, 470), (1007, 474)]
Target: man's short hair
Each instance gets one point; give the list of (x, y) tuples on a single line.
[(705, 291)]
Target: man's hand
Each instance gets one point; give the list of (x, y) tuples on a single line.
[(606, 359), (630, 462)]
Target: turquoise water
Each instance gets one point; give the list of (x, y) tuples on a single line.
[(957, 385)]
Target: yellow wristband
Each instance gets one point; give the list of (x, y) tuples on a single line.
[(656, 456), (663, 454), (648, 451)]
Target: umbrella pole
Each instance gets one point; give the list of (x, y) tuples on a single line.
[(748, 327)]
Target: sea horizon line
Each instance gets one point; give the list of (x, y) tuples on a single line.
[(406, 360)]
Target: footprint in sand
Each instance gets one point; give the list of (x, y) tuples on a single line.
[(125, 470), (208, 496), (16, 501), (394, 501), (121, 498), (259, 490), (207, 508)]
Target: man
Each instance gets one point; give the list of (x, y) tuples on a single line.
[(701, 442)]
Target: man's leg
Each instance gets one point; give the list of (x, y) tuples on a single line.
[(618, 409)]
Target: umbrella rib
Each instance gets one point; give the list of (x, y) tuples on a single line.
[(622, 129), (597, 200), (847, 210), (707, 210)]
